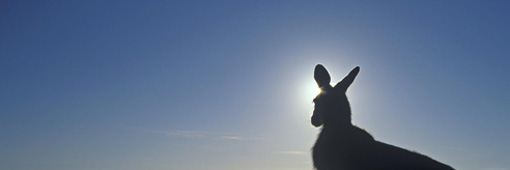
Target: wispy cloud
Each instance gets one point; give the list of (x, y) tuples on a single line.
[(209, 135), (235, 137), (182, 134), (232, 137)]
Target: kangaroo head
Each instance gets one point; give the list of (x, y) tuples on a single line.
[(331, 105)]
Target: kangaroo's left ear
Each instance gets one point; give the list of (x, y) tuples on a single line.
[(321, 76), (347, 81)]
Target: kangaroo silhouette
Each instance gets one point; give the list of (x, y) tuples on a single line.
[(343, 146)]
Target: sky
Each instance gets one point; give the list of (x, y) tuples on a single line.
[(227, 85)]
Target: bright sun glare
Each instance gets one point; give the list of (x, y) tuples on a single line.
[(310, 90)]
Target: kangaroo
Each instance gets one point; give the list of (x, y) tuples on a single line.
[(343, 146)]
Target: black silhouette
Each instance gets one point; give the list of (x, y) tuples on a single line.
[(343, 146)]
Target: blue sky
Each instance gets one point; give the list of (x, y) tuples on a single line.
[(228, 84)]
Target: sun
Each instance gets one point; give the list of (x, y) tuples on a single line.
[(310, 90)]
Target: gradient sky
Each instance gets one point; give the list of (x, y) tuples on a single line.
[(228, 85)]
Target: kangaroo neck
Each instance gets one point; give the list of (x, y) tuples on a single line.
[(349, 131), (338, 125)]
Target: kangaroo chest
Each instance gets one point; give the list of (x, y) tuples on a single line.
[(335, 148)]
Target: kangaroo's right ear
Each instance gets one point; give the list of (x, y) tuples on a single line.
[(321, 76), (347, 81)]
